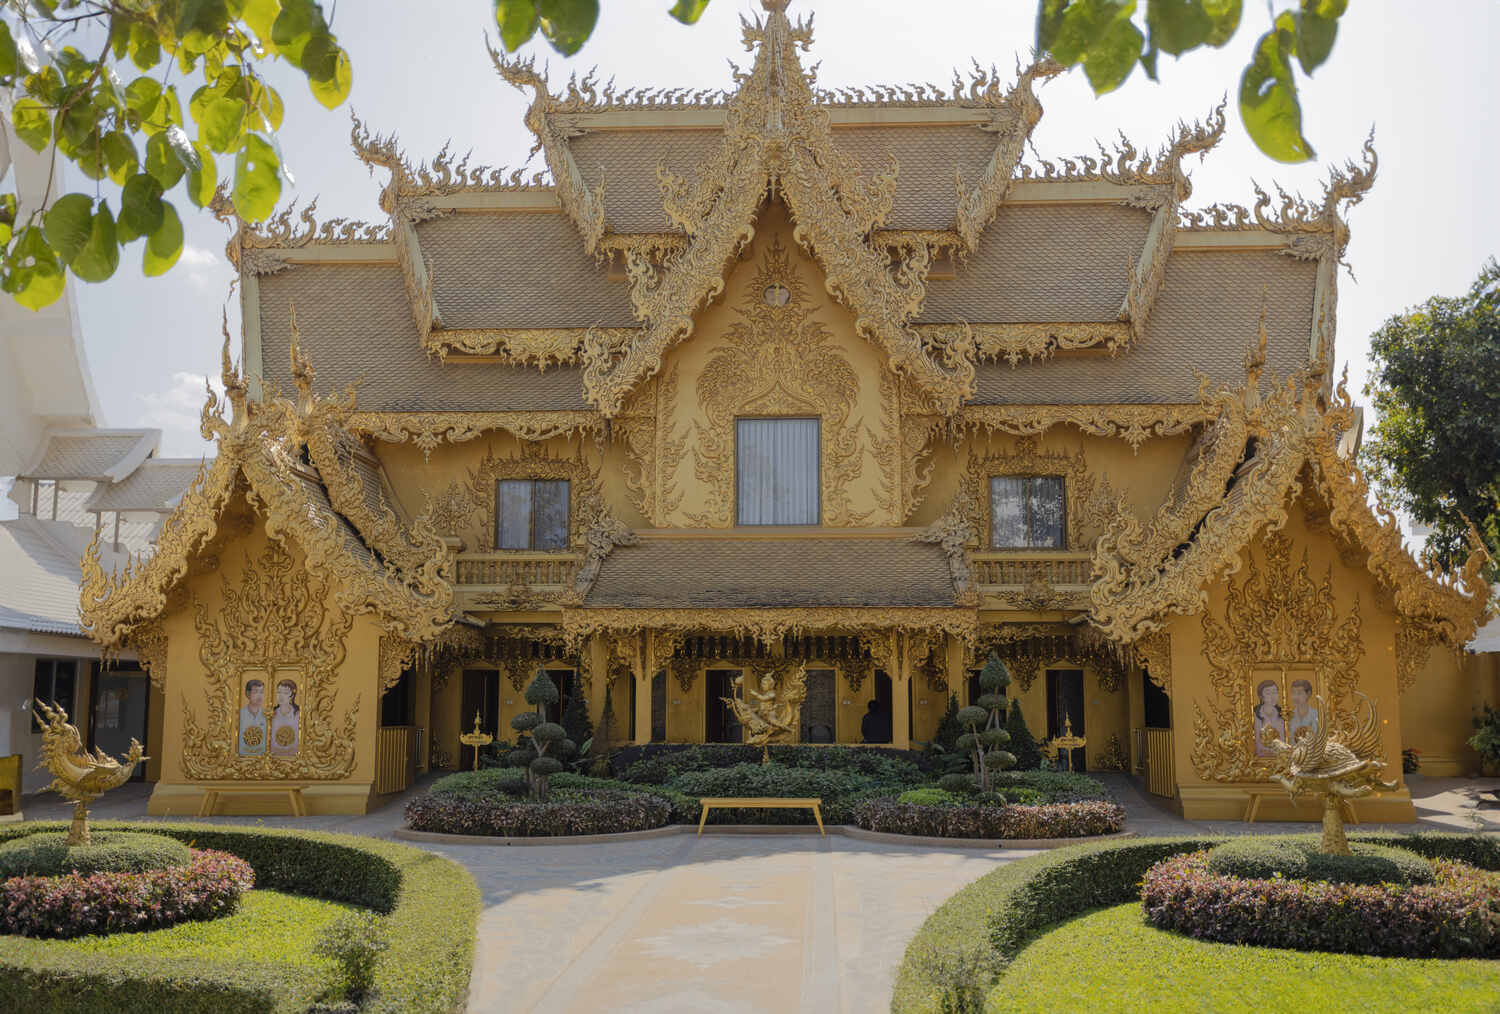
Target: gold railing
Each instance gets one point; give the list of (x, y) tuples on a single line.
[(517, 568), (1059, 568), (1161, 776), (396, 750)]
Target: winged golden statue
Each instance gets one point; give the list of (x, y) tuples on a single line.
[(1339, 765), (770, 714), (77, 774)]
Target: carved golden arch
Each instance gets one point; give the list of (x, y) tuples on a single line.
[(778, 362), (1278, 617), (467, 509), (1028, 649), (279, 617), (1083, 510)]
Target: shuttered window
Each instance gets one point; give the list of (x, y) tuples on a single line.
[(776, 471), (1026, 512), (531, 514)]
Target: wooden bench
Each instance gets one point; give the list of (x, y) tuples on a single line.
[(761, 803), (1252, 805), (293, 794)]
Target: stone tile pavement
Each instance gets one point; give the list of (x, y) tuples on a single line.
[(730, 922)]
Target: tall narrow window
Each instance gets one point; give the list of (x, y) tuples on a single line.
[(777, 471), (1026, 512), (531, 514), (53, 682)]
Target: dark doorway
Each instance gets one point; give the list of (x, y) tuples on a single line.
[(875, 727), (659, 708), (721, 726), (396, 703), (1157, 704), (121, 697), (1065, 703), (818, 723), (631, 725), (481, 695)]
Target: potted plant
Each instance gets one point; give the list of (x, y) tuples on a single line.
[(1411, 764)]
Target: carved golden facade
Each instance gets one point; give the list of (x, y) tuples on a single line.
[(884, 260)]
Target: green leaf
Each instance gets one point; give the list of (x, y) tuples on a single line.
[(517, 20), (1317, 24), (1268, 96), (32, 274), (142, 96), (201, 23), (140, 208), (100, 256), (257, 179), (1096, 33), (1177, 26), (295, 26), (120, 156), (688, 11), (1224, 16), (163, 246), (162, 161), (8, 61), (8, 206), (67, 225), (202, 180), (145, 48), (567, 24), (1110, 60), (33, 123), (222, 123), (327, 68)]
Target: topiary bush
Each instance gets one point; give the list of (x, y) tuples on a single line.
[(568, 812), (1022, 742), (1299, 859), (1000, 822), (1455, 916), (983, 723), (49, 855), (209, 885), (355, 941)]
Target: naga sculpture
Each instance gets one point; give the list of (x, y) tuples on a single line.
[(770, 714), (77, 774), (1339, 765)]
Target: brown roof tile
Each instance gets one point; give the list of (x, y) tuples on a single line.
[(1205, 318), (757, 573), (356, 323)]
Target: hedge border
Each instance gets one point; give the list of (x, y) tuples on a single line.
[(431, 904), (992, 919)]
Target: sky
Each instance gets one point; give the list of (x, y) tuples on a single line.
[(1419, 73)]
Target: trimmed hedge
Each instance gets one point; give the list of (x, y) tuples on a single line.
[(1299, 859), (660, 763), (1456, 916), (81, 904), (430, 904), (49, 855), (1055, 786), (840, 790), (512, 782), (568, 812), (942, 820), (963, 947)]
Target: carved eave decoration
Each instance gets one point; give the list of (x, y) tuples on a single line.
[(770, 625), (1134, 424), (267, 247), (403, 574), (429, 430), (776, 142), (1143, 577)]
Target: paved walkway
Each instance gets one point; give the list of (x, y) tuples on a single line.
[(730, 922)]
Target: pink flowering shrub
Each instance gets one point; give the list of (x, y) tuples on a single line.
[(1051, 820), (1455, 916), (79, 904), (568, 812)]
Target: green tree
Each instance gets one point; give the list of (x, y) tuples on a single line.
[(1434, 383), (546, 744), (983, 723), (147, 98), (1107, 38), (1022, 742)]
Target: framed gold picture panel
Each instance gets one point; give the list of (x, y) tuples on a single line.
[(1283, 705), (268, 719)]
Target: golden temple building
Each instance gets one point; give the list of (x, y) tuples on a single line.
[(785, 376)]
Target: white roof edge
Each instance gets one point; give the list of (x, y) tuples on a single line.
[(149, 439)]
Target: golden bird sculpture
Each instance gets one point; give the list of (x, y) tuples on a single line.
[(772, 713), (1339, 765), (77, 774)]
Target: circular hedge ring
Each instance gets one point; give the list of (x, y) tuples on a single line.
[(1294, 859), (79, 904), (49, 855), (1455, 916)]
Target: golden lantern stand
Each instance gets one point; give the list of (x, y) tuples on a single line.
[(476, 739), (1066, 743)]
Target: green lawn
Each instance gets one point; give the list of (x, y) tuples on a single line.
[(270, 929), (1110, 960)]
